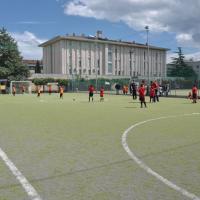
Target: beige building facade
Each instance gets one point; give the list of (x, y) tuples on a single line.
[(96, 56)]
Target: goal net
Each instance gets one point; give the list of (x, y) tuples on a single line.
[(21, 87)]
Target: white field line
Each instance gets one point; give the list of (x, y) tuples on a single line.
[(31, 192), (148, 169)]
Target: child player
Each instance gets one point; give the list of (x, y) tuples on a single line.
[(152, 94), (38, 91), (101, 94), (50, 89), (91, 92), (141, 91), (61, 92), (13, 90), (23, 89), (189, 95), (194, 93)]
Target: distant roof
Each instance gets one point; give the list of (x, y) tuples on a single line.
[(99, 40), (31, 62)]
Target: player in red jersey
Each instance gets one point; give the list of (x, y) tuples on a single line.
[(91, 92), (61, 91), (194, 93), (50, 89), (102, 94), (13, 90), (141, 91), (156, 87), (152, 94)]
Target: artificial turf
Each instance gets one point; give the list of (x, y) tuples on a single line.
[(71, 149)]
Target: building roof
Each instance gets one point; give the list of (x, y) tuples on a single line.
[(31, 62), (99, 40)]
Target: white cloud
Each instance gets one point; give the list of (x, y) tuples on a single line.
[(177, 16), (35, 22), (28, 45)]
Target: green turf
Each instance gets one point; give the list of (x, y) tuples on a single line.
[(72, 149)]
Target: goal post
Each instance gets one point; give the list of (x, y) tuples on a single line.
[(21, 87)]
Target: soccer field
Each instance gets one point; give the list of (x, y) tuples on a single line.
[(75, 150)]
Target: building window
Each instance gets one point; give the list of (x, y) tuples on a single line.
[(109, 56), (89, 71), (110, 67), (119, 73), (70, 71), (98, 72), (80, 63)]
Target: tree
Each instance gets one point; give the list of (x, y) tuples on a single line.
[(11, 66), (180, 68), (38, 67)]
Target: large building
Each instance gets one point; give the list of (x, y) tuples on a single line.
[(90, 56), (195, 65)]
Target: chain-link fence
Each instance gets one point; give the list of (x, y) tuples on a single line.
[(167, 87)]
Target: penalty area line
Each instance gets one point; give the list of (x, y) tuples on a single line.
[(30, 190), (147, 168)]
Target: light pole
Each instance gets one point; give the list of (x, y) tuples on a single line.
[(198, 78), (96, 62), (131, 66), (148, 66)]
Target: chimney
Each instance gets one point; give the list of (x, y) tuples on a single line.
[(99, 34)]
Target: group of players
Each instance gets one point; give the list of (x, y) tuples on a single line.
[(38, 90), (141, 90), (153, 92)]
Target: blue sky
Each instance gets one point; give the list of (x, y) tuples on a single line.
[(31, 22)]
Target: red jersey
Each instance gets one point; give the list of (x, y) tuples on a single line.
[(101, 92), (194, 90), (141, 91), (91, 89), (152, 91), (155, 85)]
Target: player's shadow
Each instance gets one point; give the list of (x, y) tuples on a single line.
[(130, 107), (134, 102)]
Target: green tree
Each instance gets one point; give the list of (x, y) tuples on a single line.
[(180, 68), (11, 66)]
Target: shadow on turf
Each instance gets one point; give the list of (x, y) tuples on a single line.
[(67, 174), (134, 102), (130, 107), (169, 150)]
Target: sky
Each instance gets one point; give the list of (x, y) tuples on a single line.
[(172, 23)]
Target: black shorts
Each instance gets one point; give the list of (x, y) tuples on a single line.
[(142, 98), (91, 94), (194, 96)]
